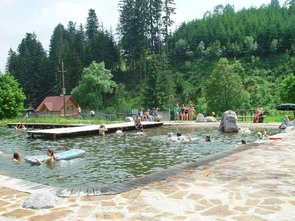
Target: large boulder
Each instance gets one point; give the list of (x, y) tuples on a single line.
[(210, 119), (200, 118), (42, 200), (129, 119), (228, 122)]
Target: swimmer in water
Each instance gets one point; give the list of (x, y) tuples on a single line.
[(262, 134), (243, 142), (102, 129), (16, 157), (181, 137)]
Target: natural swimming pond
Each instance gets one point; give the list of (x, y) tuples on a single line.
[(110, 159)]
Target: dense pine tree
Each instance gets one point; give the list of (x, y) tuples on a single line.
[(133, 41), (56, 55), (100, 44), (73, 58), (168, 11), (28, 66), (154, 25)]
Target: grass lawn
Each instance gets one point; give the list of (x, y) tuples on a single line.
[(61, 120), (55, 120)]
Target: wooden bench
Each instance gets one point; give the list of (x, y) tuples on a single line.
[(251, 118)]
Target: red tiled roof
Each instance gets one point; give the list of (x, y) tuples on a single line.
[(53, 103)]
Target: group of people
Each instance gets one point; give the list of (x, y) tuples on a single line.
[(184, 138), (184, 113), (20, 126), (137, 123), (51, 157), (149, 114)]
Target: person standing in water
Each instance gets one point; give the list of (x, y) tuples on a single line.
[(51, 158), (102, 129), (138, 124)]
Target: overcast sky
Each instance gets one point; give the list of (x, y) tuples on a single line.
[(18, 17)]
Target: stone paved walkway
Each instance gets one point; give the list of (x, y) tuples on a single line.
[(256, 184)]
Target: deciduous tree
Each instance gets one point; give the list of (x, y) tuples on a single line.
[(287, 89), (225, 90), (95, 83), (11, 97)]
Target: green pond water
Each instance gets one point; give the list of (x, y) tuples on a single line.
[(110, 159)]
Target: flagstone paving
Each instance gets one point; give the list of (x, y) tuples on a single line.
[(256, 184)]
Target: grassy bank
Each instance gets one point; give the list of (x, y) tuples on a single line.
[(55, 120), (62, 120)]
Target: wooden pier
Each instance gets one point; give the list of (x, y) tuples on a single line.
[(86, 130), (44, 125)]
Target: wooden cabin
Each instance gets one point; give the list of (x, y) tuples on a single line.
[(54, 105)]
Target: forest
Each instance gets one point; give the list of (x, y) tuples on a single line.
[(226, 60)]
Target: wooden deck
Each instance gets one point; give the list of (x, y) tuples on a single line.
[(86, 130), (44, 125)]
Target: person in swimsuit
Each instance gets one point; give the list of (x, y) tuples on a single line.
[(182, 112), (138, 124), (51, 158), (176, 112), (191, 111)]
